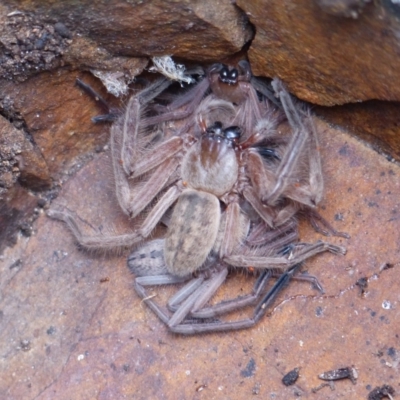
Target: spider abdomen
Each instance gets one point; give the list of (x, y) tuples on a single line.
[(192, 231)]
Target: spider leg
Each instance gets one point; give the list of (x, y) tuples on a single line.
[(161, 314), (310, 194), (110, 115), (265, 212), (317, 220), (133, 204), (257, 83), (299, 254), (251, 111), (129, 132), (190, 298), (227, 306), (157, 280), (199, 294), (212, 285), (293, 114), (287, 212), (306, 277), (183, 106), (97, 241), (197, 298), (103, 242), (316, 179), (270, 296), (279, 237), (157, 212), (153, 90), (219, 326), (295, 148), (236, 229), (184, 293), (157, 156), (261, 178), (264, 89)]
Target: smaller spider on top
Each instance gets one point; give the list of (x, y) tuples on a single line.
[(227, 185)]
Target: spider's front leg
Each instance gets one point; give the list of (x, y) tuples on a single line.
[(304, 142), (131, 135), (103, 242), (160, 164), (134, 202), (184, 106)]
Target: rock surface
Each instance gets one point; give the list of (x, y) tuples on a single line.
[(91, 35), (375, 122), (325, 59)]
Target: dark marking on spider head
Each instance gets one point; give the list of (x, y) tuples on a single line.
[(228, 76)]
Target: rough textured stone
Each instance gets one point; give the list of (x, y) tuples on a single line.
[(325, 59), (55, 136), (376, 122), (11, 143), (200, 31), (18, 210), (20, 159), (57, 115), (85, 54), (28, 44)]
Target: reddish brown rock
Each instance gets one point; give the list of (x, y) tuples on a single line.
[(28, 44), (200, 31), (326, 59), (55, 136), (343, 8), (376, 122), (18, 210), (85, 54), (20, 159), (57, 115)]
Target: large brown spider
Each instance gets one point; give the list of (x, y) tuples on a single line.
[(227, 186)]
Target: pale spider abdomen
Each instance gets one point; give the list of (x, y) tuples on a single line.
[(192, 232)]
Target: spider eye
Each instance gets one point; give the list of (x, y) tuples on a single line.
[(229, 77), (234, 74), (232, 133), (224, 74), (217, 125), (215, 128)]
